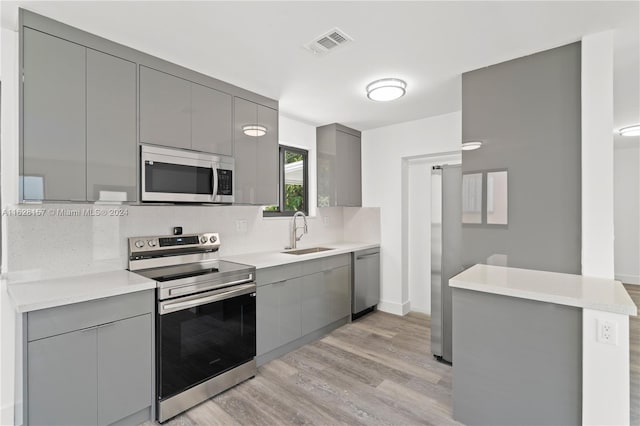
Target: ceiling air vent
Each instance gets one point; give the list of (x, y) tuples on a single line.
[(328, 41)]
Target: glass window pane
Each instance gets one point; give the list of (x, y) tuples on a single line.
[(497, 199), (472, 198), (294, 173)]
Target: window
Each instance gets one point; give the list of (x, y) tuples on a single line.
[(294, 188)]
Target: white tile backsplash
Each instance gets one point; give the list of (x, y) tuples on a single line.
[(54, 245)]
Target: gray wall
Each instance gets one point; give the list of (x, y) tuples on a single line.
[(527, 113)]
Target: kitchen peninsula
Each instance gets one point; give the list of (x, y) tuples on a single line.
[(536, 347)]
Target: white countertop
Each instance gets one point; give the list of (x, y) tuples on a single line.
[(275, 258), (42, 294), (563, 289)]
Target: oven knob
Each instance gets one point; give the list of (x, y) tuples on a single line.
[(213, 239), (152, 243), (203, 239), (139, 243)]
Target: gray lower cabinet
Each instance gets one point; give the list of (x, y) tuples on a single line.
[(296, 300), (278, 314), (257, 160), (79, 118), (111, 128), (54, 103), (86, 365), (62, 379), (339, 166)]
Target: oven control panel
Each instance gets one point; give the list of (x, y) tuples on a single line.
[(205, 241)]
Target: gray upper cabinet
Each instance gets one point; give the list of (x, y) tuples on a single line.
[(178, 113), (54, 103), (339, 166), (111, 128), (79, 112), (256, 178), (165, 109), (211, 120)]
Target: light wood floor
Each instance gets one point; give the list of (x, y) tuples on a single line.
[(634, 355), (376, 370)]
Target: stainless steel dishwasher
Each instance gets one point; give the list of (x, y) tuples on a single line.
[(366, 281)]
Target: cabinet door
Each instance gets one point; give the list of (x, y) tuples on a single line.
[(338, 292), (348, 170), (165, 109), (211, 120), (245, 152), (290, 310), (54, 105), (313, 296), (278, 314), (62, 379), (268, 163), (267, 318), (124, 368), (111, 128), (257, 162)]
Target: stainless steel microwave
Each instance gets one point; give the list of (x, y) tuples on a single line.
[(174, 175)]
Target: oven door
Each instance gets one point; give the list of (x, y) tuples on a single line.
[(204, 335), (177, 176)]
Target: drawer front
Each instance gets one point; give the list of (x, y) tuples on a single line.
[(63, 319), (278, 273)]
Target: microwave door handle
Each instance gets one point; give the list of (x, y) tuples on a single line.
[(215, 183)]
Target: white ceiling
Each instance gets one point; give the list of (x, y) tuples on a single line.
[(258, 46)]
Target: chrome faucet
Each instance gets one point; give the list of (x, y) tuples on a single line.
[(293, 235)]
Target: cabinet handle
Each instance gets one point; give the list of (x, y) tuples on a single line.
[(95, 327), (364, 256)]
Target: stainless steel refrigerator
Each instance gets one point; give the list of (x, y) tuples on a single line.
[(446, 259)]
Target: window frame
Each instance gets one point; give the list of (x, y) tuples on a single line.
[(281, 191)]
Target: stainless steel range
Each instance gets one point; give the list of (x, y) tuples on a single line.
[(206, 318)]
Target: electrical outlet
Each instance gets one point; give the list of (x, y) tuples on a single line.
[(607, 332), (241, 226), (325, 220)]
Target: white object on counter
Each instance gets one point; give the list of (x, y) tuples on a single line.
[(43, 294), (275, 258), (563, 289)]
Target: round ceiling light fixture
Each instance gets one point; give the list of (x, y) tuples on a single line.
[(630, 130), (254, 130), (386, 89), (471, 145)]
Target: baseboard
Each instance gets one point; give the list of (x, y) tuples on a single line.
[(628, 279), (395, 308)]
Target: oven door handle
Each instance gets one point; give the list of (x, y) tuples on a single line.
[(203, 286), (167, 307)]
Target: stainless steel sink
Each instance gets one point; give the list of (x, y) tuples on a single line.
[(307, 250)]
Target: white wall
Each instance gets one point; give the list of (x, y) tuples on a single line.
[(597, 155), (301, 135), (384, 150), (627, 210)]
